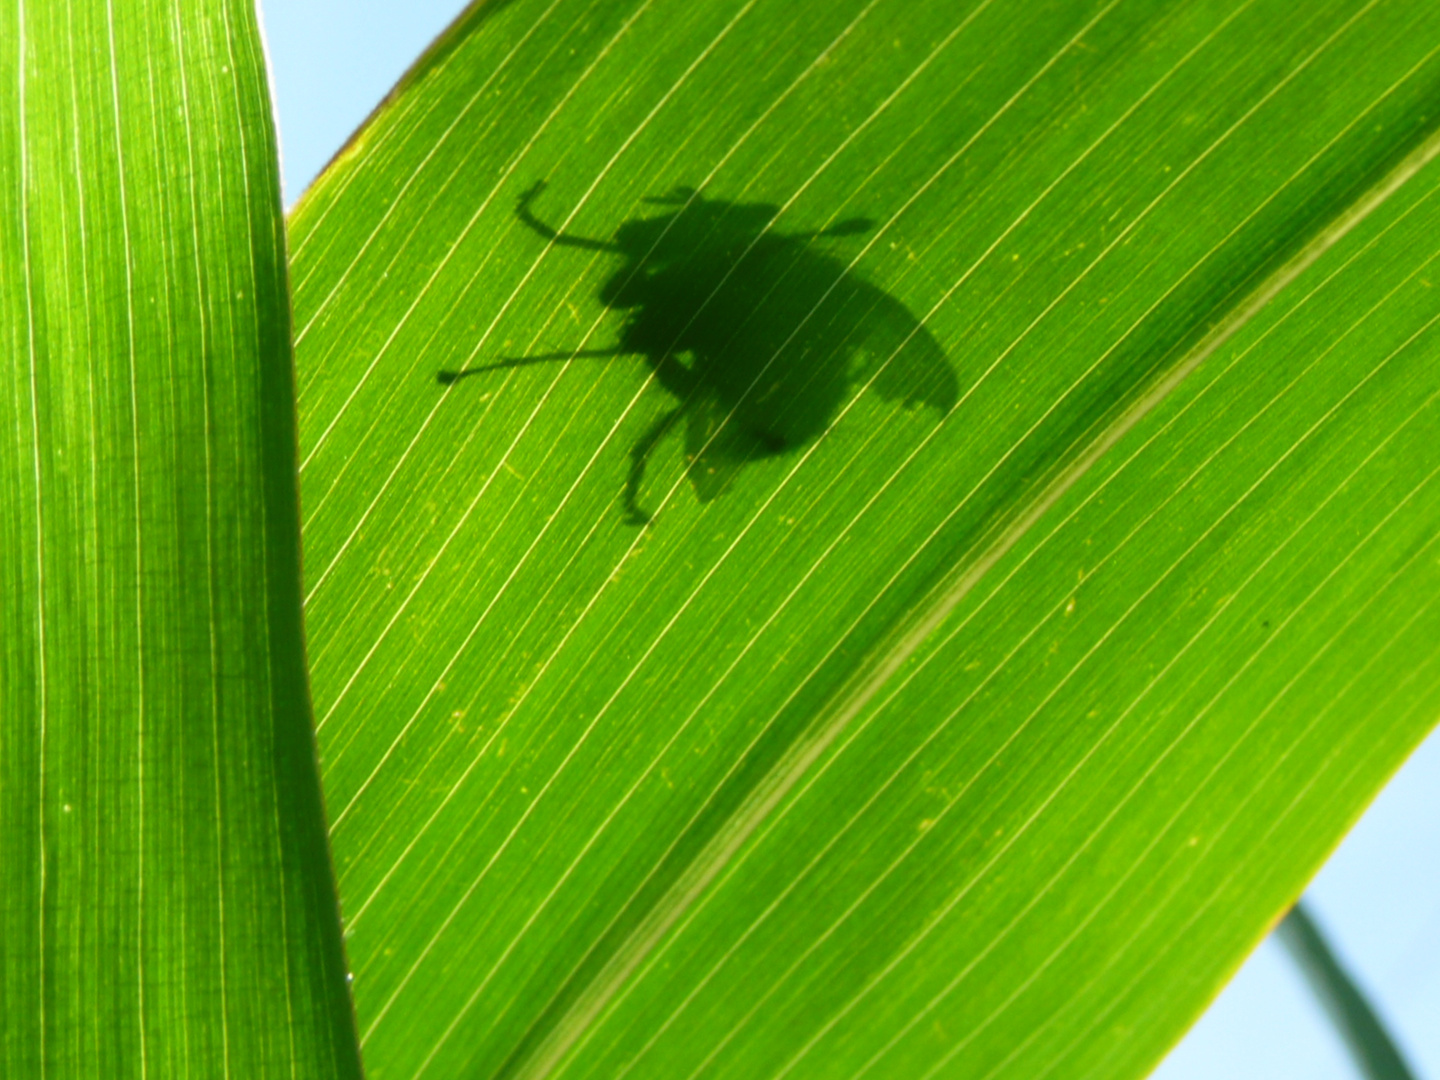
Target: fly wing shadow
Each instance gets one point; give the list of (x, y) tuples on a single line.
[(716, 451), (895, 353)]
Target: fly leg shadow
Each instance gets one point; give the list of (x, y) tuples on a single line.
[(445, 378), (639, 456), (678, 380), (671, 375)]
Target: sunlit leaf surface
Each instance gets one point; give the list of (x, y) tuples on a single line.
[(770, 614), (168, 904)]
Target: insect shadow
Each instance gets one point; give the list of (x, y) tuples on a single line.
[(758, 334)]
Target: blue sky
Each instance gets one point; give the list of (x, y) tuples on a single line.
[(1378, 897)]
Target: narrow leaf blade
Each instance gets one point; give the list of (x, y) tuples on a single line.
[(169, 906)]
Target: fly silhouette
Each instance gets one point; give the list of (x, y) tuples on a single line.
[(758, 334)]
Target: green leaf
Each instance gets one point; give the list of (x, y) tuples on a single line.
[(169, 906), (1371, 1048), (862, 539)]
